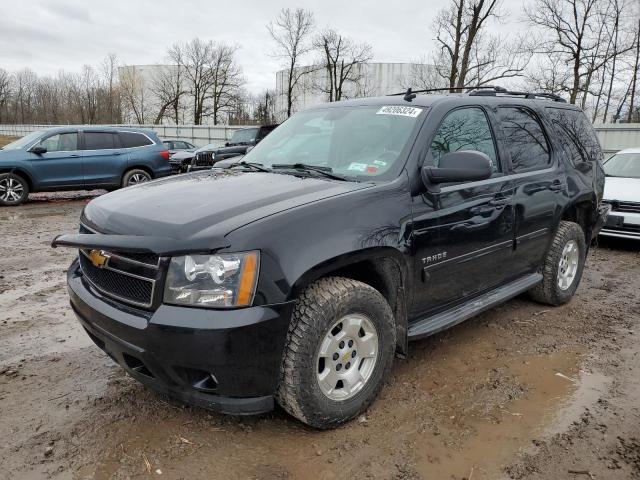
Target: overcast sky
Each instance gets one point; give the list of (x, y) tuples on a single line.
[(49, 35)]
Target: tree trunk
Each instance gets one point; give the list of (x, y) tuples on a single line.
[(453, 72), (634, 82)]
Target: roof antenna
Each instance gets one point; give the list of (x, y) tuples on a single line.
[(409, 96)]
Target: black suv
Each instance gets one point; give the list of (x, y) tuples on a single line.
[(297, 274), (242, 140)]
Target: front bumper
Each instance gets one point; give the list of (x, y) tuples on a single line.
[(177, 166), (604, 210), (223, 360)]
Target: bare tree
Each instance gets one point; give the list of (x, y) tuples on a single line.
[(424, 76), (109, 69), (343, 61), (132, 87), (573, 31), (547, 73), (5, 92), (636, 71), (66, 98), (195, 57), (467, 54), (90, 85), (169, 88), (25, 84), (226, 79), (212, 76), (291, 31), (264, 109)]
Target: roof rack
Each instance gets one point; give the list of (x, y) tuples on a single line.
[(482, 91)]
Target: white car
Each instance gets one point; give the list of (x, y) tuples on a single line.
[(622, 192)]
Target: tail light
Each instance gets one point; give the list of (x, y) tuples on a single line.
[(165, 154)]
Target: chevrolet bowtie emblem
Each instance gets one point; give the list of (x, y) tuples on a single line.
[(99, 258)]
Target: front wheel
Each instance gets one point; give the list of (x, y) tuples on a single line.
[(563, 266), (339, 350), (14, 190)]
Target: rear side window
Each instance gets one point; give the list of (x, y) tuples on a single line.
[(462, 130), (61, 142), (100, 141), (578, 132), (524, 139), (132, 140)]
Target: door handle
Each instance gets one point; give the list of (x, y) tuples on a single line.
[(499, 202), (501, 199), (482, 210), (557, 185), (117, 153), (74, 156)]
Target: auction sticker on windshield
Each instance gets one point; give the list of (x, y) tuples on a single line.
[(412, 112)]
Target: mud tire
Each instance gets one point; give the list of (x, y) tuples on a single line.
[(548, 291), (317, 309)]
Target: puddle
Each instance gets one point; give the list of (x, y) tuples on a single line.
[(489, 437)]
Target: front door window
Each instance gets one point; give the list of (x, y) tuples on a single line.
[(61, 142)]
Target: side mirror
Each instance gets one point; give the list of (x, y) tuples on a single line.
[(466, 166), (249, 148), (38, 150)]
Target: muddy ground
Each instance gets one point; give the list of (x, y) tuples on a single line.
[(524, 391)]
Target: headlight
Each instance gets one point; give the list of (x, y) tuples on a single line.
[(216, 281)]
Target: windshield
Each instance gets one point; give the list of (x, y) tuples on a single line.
[(247, 135), (362, 142), (623, 165), (23, 142)]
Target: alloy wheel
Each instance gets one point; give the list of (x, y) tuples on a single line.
[(11, 190), (137, 178), (568, 267), (347, 357)]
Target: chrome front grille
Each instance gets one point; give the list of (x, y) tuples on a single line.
[(127, 277), (626, 207), (204, 159)]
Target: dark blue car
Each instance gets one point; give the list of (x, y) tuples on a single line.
[(74, 158)]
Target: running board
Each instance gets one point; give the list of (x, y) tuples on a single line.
[(460, 313)]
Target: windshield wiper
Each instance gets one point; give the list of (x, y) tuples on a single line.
[(255, 166), (326, 171)]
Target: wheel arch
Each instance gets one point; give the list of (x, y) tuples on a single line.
[(582, 211), (383, 268), (138, 167), (22, 173)]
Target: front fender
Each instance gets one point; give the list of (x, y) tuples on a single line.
[(342, 262)]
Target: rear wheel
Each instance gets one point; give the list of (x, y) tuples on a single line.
[(14, 189), (339, 350), (563, 266), (134, 177)]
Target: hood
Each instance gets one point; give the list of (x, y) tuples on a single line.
[(206, 204), (12, 154), (232, 149), (622, 189)]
